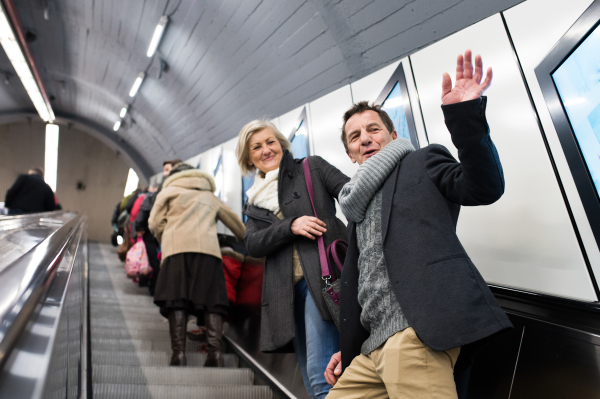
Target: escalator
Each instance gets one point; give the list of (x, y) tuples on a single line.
[(131, 347)]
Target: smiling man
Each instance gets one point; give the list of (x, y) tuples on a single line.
[(411, 298)]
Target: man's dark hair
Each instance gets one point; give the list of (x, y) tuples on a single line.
[(180, 167), (37, 171), (361, 107), (173, 162)]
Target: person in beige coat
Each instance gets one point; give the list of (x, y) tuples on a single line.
[(191, 279)]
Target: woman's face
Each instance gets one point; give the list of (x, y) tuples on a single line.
[(265, 151)]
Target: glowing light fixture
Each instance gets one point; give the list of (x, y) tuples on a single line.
[(123, 112), (158, 32), (137, 84), (117, 125), (51, 155), (13, 50), (132, 182)]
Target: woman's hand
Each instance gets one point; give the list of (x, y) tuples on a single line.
[(334, 369), (308, 226)]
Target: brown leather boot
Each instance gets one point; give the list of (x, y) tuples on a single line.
[(177, 328), (214, 339)]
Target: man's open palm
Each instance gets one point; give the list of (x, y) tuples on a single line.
[(468, 85)]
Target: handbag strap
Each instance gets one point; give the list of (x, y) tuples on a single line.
[(325, 272), (332, 252)]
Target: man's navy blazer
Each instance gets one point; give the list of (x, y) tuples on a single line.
[(440, 291)]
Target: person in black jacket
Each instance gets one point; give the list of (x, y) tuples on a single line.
[(411, 299), (30, 194)]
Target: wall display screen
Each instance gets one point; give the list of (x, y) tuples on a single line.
[(569, 77), (247, 183), (219, 179), (299, 137), (394, 106), (300, 142), (578, 83), (395, 101)]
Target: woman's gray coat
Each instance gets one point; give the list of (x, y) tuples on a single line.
[(267, 236)]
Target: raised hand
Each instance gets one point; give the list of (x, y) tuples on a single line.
[(468, 85)]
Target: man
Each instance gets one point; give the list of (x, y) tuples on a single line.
[(30, 194), (411, 297)]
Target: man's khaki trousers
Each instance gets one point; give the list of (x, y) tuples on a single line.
[(403, 367)]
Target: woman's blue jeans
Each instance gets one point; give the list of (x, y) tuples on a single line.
[(315, 342)]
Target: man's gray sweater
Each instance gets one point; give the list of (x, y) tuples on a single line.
[(360, 200), (381, 314)]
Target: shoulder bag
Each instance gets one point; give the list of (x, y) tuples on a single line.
[(333, 256)]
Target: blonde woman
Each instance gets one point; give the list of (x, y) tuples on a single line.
[(191, 279), (282, 228)]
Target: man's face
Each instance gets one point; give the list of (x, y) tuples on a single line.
[(366, 135), (167, 169)]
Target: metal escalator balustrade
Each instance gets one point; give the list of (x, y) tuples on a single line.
[(43, 306)]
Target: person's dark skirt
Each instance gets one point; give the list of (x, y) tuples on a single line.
[(194, 282)]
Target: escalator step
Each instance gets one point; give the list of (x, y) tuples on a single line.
[(141, 316), (129, 391), (128, 344), (123, 308), (131, 324), (171, 375), (132, 358), (121, 333)]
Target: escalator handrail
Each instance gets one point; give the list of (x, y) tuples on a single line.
[(25, 282), (30, 215)]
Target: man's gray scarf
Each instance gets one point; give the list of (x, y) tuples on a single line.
[(356, 195)]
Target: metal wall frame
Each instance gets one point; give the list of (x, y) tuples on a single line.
[(565, 46), (399, 77)]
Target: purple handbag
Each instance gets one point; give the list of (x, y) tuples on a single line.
[(334, 255)]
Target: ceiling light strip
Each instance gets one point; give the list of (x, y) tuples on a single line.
[(12, 37), (158, 33), (137, 84)]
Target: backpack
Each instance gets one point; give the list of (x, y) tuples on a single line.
[(136, 263)]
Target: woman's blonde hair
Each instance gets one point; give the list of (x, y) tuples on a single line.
[(242, 150)]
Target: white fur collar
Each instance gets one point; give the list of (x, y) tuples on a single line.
[(264, 192)]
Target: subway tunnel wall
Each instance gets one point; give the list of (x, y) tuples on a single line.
[(81, 159)]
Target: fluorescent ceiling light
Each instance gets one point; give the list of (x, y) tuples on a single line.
[(51, 156), (117, 125), (132, 182), (137, 84), (158, 32), (123, 112), (17, 58)]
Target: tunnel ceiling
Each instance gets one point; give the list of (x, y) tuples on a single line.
[(227, 61)]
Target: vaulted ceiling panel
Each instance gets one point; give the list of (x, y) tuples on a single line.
[(226, 61)]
